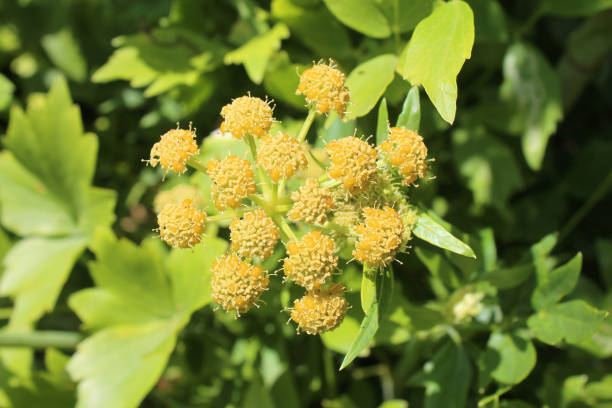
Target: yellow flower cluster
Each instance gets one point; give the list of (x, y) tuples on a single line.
[(247, 115), (311, 204), (380, 236), (323, 86), (174, 149), (181, 226), (254, 236), (405, 150), (281, 156), (353, 161), (311, 260), (236, 284), (319, 311), (233, 179), (176, 195)]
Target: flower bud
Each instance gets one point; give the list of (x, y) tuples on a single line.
[(323, 86), (174, 150), (254, 236), (319, 311), (353, 161), (247, 115), (233, 179), (311, 260), (181, 226), (281, 156), (380, 236), (405, 150), (311, 203)]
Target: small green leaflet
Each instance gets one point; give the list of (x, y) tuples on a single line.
[(427, 229), (364, 16), (368, 82), (553, 285), (509, 357), (382, 123), (410, 117)]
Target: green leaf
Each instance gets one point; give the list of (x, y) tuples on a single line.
[(6, 92), (364, 16), (382, 122), (531, 84), (394, 403), (257, 396), (368, 288), (604, 258), (141, 301), (436, 52), (281, 80), (257, 52), (553, 285), (368, 82), (64, 51), (410, 117), (431, 231), (488, 167), (509, 357), (446, 378), (367, 330), (489, 21), (572, 8), (404, 15), (574, 321)]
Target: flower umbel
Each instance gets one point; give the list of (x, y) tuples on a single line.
[(233, 180), (311, 204), (405, 150), (254, 236), (236, 284), (311, 260), (380, 236), (319, 311), (323, 86), (353, 161), (247, 115), (281, 156), (181, 226), (174, 150)]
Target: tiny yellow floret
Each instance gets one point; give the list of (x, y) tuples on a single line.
[(380, 236), (236, 285), (311, 260), (233, 179), (319, 311), (254, 236), (323, 86), (181, 226), (174, 150), (405, 150), (247, 115), (281, 156), (312, 204), (176, 195), (353, 161)]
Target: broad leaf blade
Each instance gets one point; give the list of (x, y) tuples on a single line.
[(553, 285), (429, 230), (368, 82), (364, 16)]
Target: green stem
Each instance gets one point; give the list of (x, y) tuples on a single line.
[(280, 192), (583, 211), (286, 228), (331, 183), (267, 190), (196, 164), (317, 161), (306, 125), (332, 226), (229, 215), (493, 397), (41, 339)]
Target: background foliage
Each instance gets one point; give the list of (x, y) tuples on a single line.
[(513, 101)]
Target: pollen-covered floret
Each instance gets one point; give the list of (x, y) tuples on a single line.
[(405, 150), (236, 284), (319, 311), (176, 195), (323, 86), (233, 179), (254, 236), (174, 150), (311, 204), (247, 115), (181, 226), (380, 236), (353, 161), (311, 260), (281, 156)]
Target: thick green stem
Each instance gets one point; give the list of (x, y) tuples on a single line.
[(41, 339), (196, 164), (286, 228), (306, 125), (265, 187)]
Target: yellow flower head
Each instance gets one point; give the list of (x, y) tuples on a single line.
[(236, 284), (176, 195), (233, 179), (254, 236), (281, 156), (311, 260), (353, 161), (323, 86), (181, 226), (405, 150), (174, 150), (311, 203), (247, 115), (380, 236), (319, 311)]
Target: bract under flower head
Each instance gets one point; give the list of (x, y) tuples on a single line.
[(311, 260), (236, 285), (254, 236), (380, 236), (353, 161), (181, 226), (311, 204), (405, 150), (233, 179), (323, 86), (281, 156), (319, 311), (174, 150), (247, 115)]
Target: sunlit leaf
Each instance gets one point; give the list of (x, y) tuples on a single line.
[(553, 285), (410, 116), (431, 231), (364, 16), (368, 82)]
